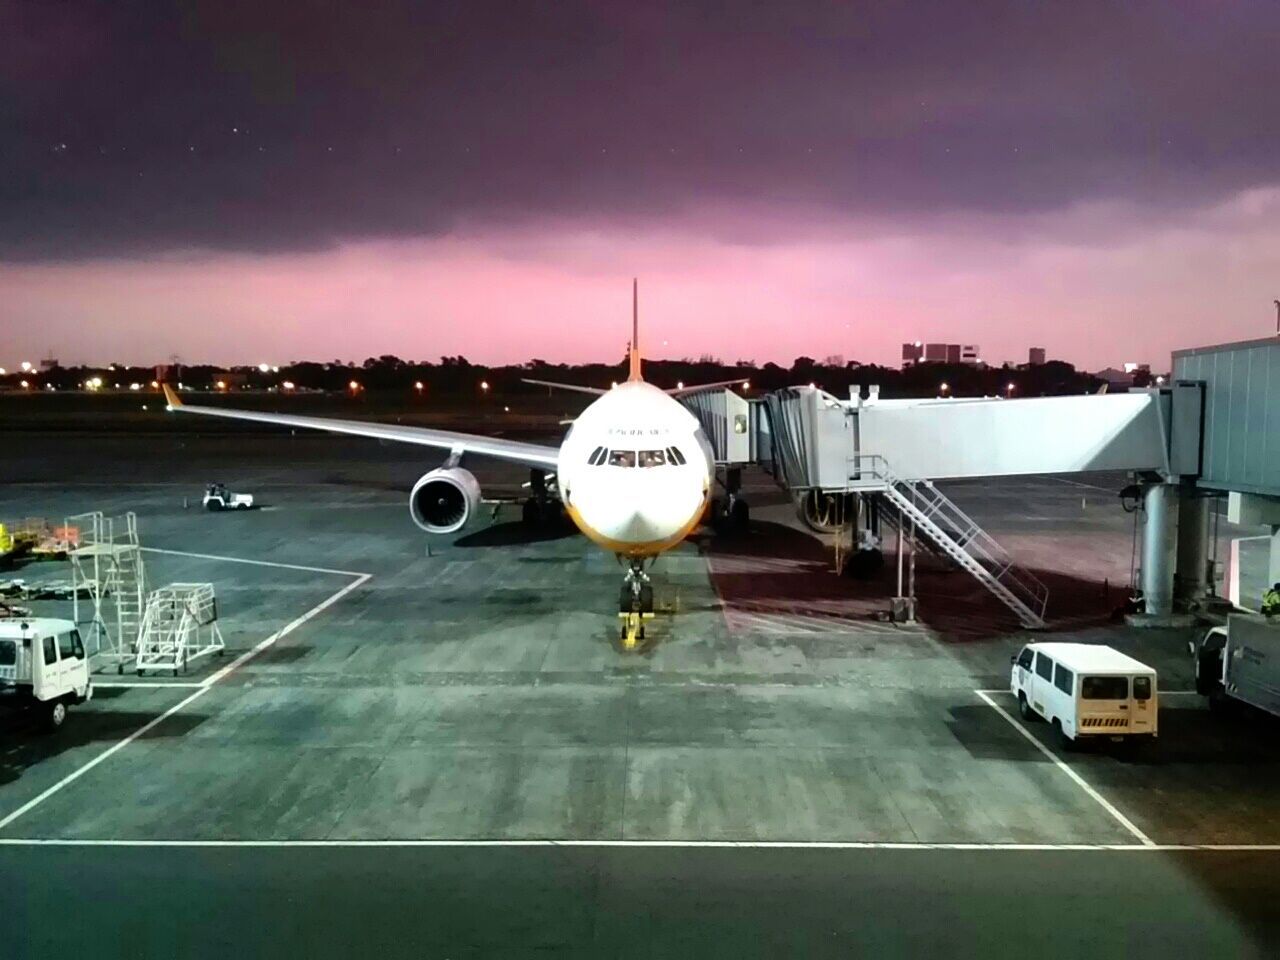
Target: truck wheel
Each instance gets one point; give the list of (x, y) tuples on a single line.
[(1025, 711), (646, 601), (55, 715), (1065, 743)]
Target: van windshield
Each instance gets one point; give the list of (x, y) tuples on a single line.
[(8, 653), (1104, 688)]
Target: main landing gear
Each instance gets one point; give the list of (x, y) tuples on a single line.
[(635, 603)]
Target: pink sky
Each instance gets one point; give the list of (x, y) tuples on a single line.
[(1096, 285)]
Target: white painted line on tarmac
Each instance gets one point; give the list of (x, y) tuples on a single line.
[(1077, 483), (660, 844), (288, 628), (1075, 777), (142, 684), (256, 563)]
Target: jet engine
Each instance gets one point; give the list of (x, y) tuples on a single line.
[(444, 500)]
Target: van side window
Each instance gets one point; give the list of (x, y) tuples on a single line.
[(77, 648), (66, 648), (1025, 658), (1063, 679), (1044, 666), (1142, 688), (50, 650)]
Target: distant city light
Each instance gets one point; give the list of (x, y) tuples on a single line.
[(275, 369), (288, 385), (746, 384), (506, 409), (679, 384), (353, 386), (418, 385), (94, 383), (1159, 380), (944, 387), (24, 385), (26, 366), (484, 384), (155, 383), (264, 368), (221, 384), (1011, 388), (3, 371), (135, 386)]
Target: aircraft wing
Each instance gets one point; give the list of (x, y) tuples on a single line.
[(576, 388), (530, 454), (696, 388)]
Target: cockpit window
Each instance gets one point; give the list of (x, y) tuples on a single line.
[(653, 458), (675, 456), (622, 458), (597, 456)]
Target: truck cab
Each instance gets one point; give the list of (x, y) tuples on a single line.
[(43, 666), (1085, 691)]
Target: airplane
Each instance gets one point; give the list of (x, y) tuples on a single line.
[(634, 471)]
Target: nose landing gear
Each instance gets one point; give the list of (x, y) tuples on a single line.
[(635, 604)]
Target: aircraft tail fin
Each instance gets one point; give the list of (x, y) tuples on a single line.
[(635, 373)]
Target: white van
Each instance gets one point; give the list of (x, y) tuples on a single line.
[(43, 665), (1085, 691)]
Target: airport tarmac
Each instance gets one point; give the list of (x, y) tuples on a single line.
[(444, 752)]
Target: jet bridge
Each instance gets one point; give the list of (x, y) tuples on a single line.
[(813, 441)]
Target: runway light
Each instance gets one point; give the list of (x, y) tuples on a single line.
[(287, 385), (135, 386), (418, 385), (221, 384), (25, 385), (679, 384), (3, 371), (1011, 388), (484, 385), (746, 384), (275, 369), (506, 409), (353, 386), (155, 384), (264, 368)]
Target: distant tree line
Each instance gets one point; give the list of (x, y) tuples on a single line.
[(457, 377)]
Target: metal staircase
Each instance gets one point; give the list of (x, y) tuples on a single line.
[(953, 532), (181, 624), (107, 571)]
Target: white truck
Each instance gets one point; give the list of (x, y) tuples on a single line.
[(43, 667), (218, 497), (1086, 691), (1240, 661)]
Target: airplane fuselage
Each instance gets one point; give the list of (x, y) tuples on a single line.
[(635, 471)]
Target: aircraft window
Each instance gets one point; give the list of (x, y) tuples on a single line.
[(675, 456), (597, 456), (622, 458), (652, 458)]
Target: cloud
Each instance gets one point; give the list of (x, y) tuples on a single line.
[(1095, 283)]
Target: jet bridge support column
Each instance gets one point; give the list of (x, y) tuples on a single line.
[(1159, 548), (1190, 579)]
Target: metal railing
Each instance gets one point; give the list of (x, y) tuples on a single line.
[(956, 534)]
